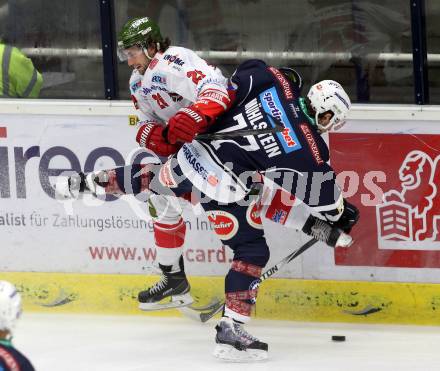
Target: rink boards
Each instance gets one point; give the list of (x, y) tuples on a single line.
[(282, 299), (91, 255)]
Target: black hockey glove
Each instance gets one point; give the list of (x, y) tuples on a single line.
[(349, 217), (326, 232)]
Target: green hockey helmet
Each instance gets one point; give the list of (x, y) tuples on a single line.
[(138, 32)]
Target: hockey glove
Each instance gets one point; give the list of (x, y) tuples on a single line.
[(185, 124), (325, 232), (150, 135), (349, 217)]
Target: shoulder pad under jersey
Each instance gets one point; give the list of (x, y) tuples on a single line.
[(251, 78)]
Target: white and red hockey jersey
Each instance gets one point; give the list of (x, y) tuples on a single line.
[(175, 79)]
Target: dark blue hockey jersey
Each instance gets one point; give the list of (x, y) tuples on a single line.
[(295, 158), (13, 360)]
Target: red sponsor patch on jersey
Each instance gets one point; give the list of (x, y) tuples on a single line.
[(253, 215), (312, 143), (3, 132), (153, 63), (287, 89), (212, 179), (225, 224), (280, 206)]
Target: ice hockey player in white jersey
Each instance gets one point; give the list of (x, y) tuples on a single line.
[(177, 95)]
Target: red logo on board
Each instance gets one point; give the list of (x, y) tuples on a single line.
[(411, 212), (396, 179)]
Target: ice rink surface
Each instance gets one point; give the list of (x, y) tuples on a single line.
[(104, 343)]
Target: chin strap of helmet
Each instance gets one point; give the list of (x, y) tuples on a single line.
[(303, 106), (146, 54), (146, 51)]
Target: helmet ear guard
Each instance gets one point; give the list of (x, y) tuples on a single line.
[(328, 95), (10, 306)]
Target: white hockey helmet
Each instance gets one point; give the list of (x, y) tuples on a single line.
[(328, 95), (10, 306)]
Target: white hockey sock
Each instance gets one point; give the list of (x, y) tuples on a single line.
[(236, 316), (169, 256)]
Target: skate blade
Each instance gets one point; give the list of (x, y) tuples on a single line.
[(229, 353), (177, 301)]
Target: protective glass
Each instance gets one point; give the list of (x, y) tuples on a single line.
[(338, 125)]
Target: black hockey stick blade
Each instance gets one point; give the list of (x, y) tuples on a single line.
[(202, 315), (206, 316), (212, 304)]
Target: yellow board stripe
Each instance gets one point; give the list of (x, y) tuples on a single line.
[(286, 299)]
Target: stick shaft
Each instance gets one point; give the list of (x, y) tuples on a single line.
[(205, 316), (268, 273), (279, 127)]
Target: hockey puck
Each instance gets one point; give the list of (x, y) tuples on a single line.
[(338, 338)]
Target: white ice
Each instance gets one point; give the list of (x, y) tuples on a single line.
[(129, 343)]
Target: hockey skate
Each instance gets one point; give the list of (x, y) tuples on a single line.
[(236, 345), (172, 286)]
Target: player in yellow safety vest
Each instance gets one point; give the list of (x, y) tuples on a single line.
[(18, 76)]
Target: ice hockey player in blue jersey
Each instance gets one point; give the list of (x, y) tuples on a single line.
[(293, 161), (10, 310), (292, 158)]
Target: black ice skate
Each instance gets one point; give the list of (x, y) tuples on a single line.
[(172, 286), (237, 345)]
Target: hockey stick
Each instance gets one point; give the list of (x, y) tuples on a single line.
[(210, 306), (239, 133), (194, 313), (206, 316), (279, 127)]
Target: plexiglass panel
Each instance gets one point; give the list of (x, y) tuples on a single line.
[(433, 46), (365, 45), (63, 39)]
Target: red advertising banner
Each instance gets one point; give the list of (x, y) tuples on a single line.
[(394, 179)]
